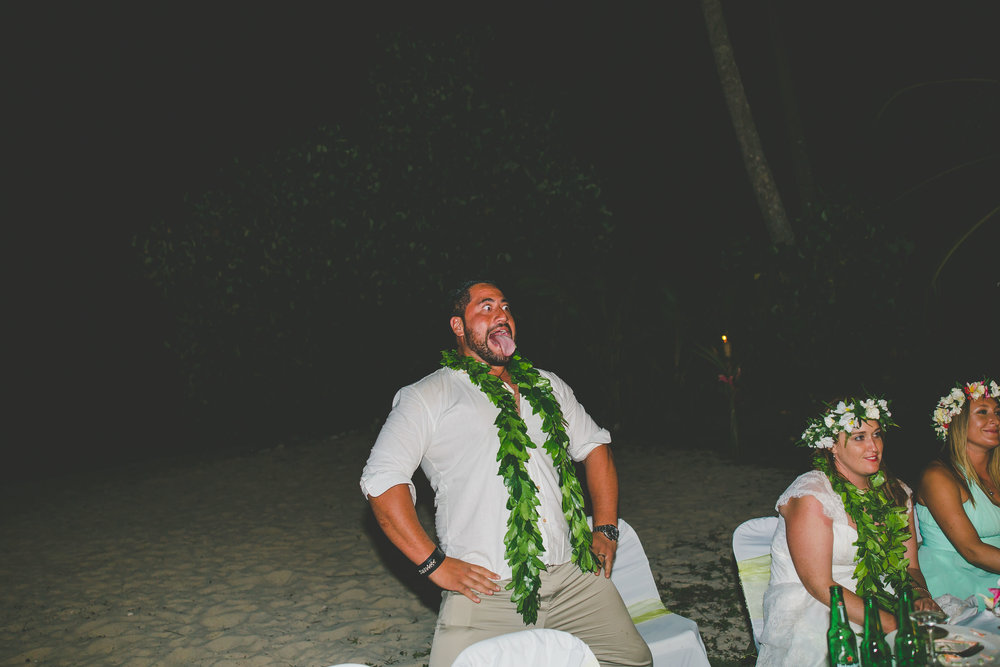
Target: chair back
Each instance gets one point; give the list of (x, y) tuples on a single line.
[(528, 648), (633, 577), (752, 551), (673, 639)]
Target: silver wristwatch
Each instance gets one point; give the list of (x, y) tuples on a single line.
[(610, 531)]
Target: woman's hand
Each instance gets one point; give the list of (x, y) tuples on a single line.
[(925, 604)]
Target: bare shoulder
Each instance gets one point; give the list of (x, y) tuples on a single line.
[(939, 482), (936, 473), (803, 506)]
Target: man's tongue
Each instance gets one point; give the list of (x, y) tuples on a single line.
[(502, 338)]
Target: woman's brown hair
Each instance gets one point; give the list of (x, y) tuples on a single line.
[(892, 484)]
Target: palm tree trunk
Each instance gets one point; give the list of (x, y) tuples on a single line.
[(758, 170)]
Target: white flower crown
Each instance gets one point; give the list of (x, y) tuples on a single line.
[(847, 416), (952, 402)]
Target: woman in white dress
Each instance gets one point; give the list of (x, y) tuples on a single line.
[(814, 544)]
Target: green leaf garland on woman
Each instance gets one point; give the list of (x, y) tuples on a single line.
[(881, 521)]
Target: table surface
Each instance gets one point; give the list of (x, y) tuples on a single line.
[(984, 628), (989, 655), (986, 621)]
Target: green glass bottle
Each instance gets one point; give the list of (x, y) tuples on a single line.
[(840, 639), (909, 650), (874, 649)]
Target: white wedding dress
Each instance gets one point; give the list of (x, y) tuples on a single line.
[(796, 623)]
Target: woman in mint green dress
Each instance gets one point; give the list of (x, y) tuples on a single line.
[(958, 499)]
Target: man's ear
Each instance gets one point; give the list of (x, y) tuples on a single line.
[(457, 326)]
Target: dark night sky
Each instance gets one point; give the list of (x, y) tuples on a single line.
[(121, 109)]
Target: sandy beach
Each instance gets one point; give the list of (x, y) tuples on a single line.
[(273, 558)]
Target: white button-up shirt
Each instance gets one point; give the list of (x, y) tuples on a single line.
[(444, 424)]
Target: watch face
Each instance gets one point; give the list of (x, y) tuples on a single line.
[(610, 531)]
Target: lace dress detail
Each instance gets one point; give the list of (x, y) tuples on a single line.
[(795, 623)]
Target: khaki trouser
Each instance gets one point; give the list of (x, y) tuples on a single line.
[(582, 604)]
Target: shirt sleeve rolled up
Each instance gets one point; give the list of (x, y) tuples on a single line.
[(399, 447)]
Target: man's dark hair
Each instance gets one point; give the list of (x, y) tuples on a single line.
[(458, 298)]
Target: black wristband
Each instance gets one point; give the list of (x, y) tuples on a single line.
[(432, 563)]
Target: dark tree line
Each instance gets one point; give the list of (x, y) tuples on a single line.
[(307, 285)]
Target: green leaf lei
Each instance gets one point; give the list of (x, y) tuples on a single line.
[(883, 530), (523, 538)]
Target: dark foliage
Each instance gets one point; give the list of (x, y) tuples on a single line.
[(310, 284)]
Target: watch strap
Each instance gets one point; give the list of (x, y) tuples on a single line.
[(608, 530)]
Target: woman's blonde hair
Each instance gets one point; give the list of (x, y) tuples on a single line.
[(955, 446)]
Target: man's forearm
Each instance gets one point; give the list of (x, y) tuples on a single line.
[(397, 517), (602, 482)]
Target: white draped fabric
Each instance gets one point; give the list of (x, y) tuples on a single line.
[(528, 648), (795, 623)]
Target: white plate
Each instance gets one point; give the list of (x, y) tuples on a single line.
[(990, 655)]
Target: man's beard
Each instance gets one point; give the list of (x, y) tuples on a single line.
[(482, 348)]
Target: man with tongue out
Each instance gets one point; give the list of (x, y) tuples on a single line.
[(444, 424)]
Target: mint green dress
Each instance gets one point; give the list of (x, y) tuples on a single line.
[(943, 567)]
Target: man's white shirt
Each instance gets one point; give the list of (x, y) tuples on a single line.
[(444, 424)]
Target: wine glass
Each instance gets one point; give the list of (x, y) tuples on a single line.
[(928, 620)]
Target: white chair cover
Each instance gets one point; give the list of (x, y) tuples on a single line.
[(752, 551), (673, 640), (528, 648)]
